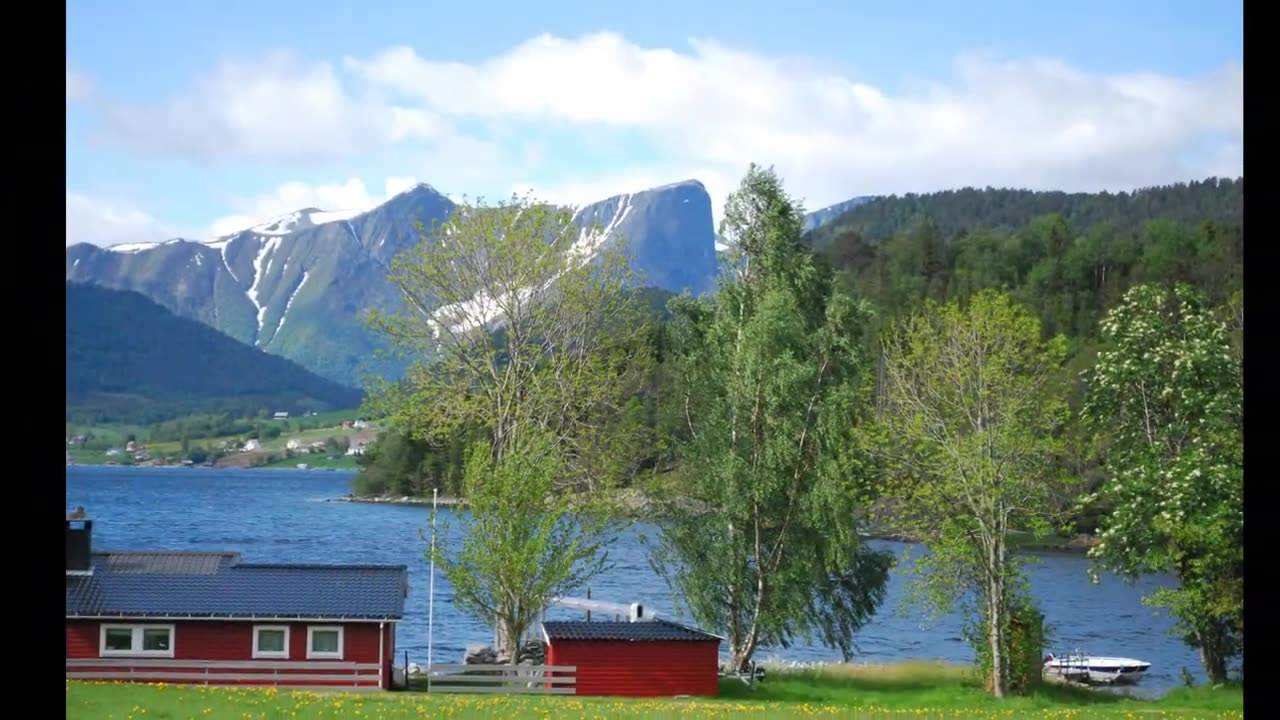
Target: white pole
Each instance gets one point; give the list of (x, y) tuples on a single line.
[(431, 592)]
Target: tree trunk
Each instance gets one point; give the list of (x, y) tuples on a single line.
[(502, 639), (1211, 654), (740, 655), (995, 618)]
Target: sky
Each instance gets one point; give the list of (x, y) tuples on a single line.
[(198, 119)]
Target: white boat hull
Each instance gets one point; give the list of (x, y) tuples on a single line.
[(1093, 669)]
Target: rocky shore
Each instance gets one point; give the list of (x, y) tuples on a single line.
[(403, 500)]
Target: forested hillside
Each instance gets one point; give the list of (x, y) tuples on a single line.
[(130, 360), (955, 211), (1069, 265)]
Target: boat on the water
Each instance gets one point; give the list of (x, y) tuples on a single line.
[(1095, 668)]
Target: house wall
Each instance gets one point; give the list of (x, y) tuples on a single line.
[(640, 669), (221, 652)]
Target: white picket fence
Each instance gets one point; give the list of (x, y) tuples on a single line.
[(503, 679)]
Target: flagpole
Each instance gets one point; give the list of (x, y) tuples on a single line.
[(431, 593)]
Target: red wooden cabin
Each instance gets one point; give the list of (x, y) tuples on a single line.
[(207, 618), (644, 658)]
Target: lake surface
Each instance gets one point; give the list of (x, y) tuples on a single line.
[(282, 516)]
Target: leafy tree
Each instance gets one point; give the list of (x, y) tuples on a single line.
[(521, 327), (523, 547), (772, 383), (513, 328), (972, 418), (1168, 392)]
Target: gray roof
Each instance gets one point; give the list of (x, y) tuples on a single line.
[(218, 585), (639, 631)]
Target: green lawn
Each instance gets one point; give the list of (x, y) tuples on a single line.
[(316, 461), (903, 690)]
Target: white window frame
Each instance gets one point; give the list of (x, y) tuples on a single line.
[(271, 654), (312, 654), (138, 632)]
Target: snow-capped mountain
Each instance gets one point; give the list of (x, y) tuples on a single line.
[(300, 284)]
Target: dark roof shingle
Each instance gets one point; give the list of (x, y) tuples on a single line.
[(640, 631), (216, 585)]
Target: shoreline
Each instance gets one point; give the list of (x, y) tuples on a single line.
[(1075, 546)]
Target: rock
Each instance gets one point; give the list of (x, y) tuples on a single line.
[(534, 653), (480, 655), (1081, 542)]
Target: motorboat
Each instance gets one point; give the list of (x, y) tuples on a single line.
[(1095, 668)]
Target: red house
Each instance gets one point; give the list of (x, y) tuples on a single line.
[(644, 658), (207, 618)]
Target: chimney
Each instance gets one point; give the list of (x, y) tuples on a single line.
[(79, 546)]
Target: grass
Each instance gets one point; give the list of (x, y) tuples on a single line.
[(315, 461), (926, 690)]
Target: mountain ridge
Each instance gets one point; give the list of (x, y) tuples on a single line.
[(298, 284)]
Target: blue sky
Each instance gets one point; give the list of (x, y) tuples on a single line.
[(198, 118)]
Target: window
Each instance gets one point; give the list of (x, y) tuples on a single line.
[(138, 640), (271, 641), (324, 643)]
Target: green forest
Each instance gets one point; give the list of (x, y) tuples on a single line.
[(1067, 257)]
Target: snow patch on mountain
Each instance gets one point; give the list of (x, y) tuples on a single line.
[(591, 240), (265, 253), (289, 303), (133, 248), (282, 225)]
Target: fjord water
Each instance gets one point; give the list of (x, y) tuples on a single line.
[(283, 516)]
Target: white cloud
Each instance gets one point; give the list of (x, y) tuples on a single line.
[(579, 190), (351, 194), (1030, 123), (275, 110), (79, 86), (704, 112), (105, 222)]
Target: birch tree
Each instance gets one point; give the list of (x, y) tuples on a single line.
[(520, 325), (1168, 392), (972, 418), (523, 546), (515, 319), (772, 384)]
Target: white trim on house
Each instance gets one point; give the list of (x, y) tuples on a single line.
[(271, 654), (312, 654), (137, 634)]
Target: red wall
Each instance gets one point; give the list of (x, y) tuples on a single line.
[(640, 669), (230, 641), (221, 640)]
